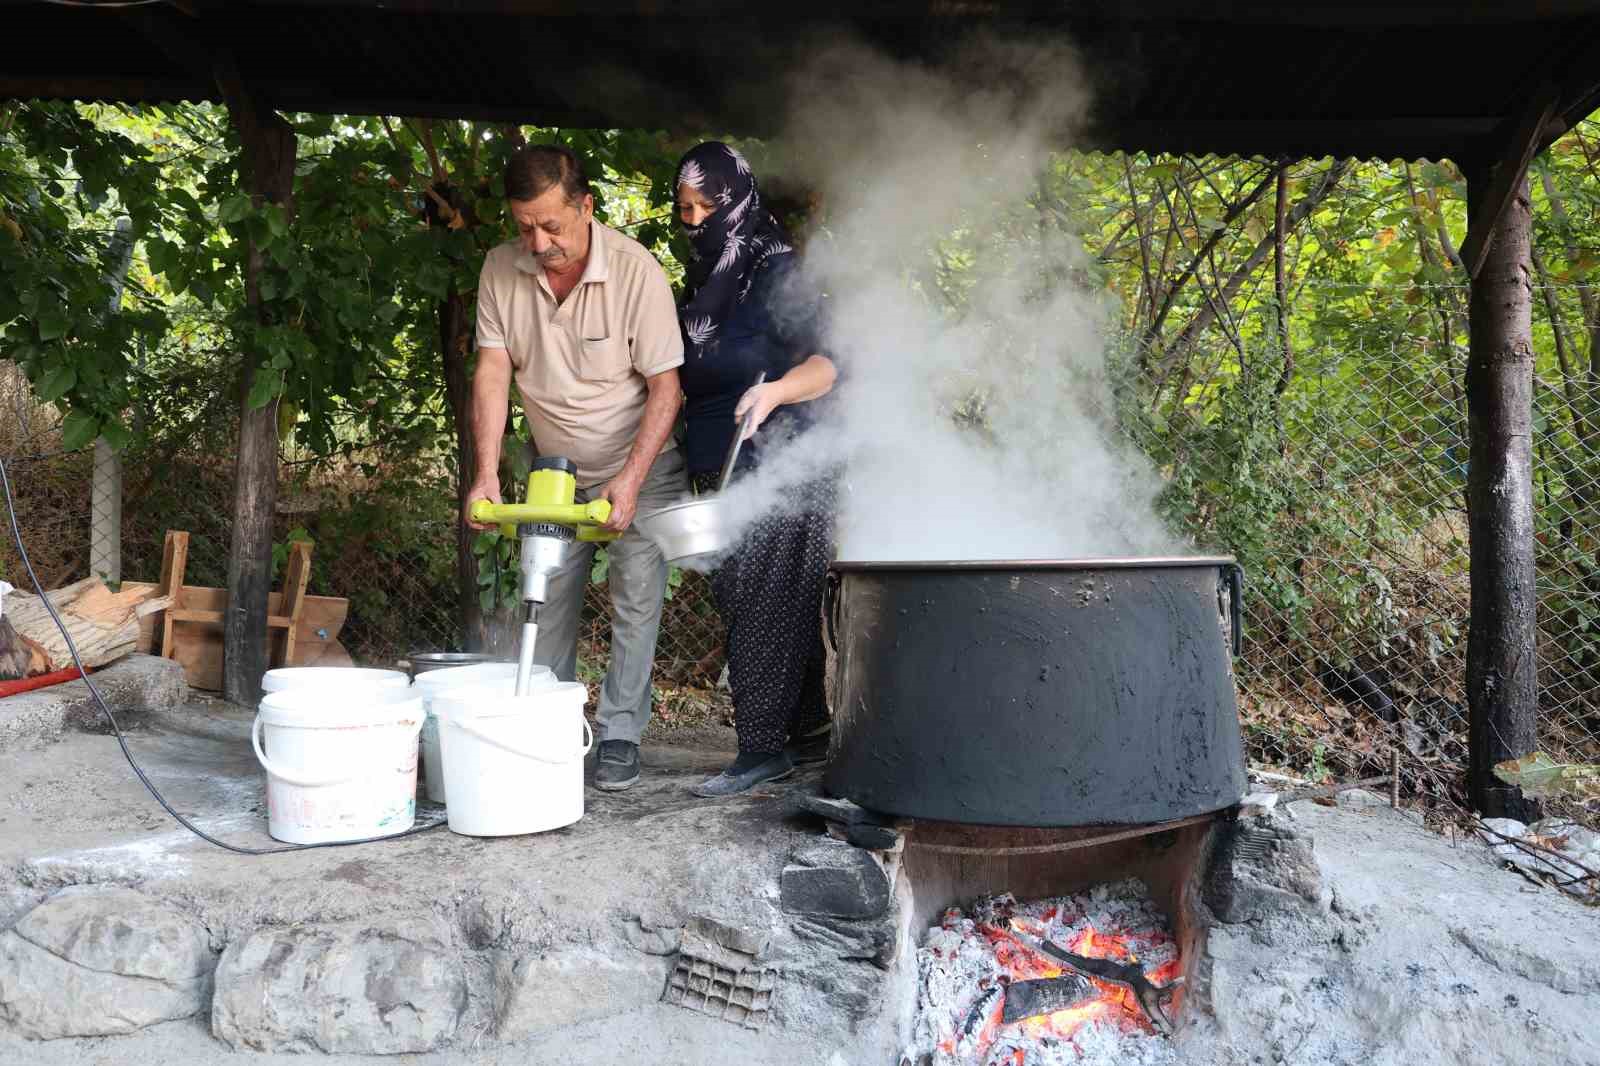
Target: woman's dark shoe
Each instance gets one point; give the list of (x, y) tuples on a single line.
[(617, 766), (747, 771), (813, 747)]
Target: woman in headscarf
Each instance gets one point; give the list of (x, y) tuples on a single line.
[(746, 313)]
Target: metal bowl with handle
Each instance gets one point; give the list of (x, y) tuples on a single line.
[(696, 531), (689, 533)]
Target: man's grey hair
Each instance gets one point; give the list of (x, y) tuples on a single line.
[(532, 170)]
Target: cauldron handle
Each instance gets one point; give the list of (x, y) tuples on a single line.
[(1235, 574), (830, 609)]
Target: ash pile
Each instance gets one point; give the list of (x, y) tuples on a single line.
[(1090, 977)]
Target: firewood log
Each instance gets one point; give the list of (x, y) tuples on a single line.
[(104, 624), (16, 653)]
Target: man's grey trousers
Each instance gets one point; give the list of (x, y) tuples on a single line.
[(637, 578)]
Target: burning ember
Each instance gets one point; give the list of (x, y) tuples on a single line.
[(1034, 984)]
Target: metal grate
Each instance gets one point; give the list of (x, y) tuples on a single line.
[(742, 997)]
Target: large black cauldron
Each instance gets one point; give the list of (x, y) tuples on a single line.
[(1037, 693)]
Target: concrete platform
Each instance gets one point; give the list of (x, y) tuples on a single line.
[(124, 939), (559, 943)]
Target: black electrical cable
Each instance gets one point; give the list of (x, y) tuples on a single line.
[(16, 533)]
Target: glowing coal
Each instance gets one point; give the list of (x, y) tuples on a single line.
[(995, 989)]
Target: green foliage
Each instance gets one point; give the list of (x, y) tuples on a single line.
[(64, 179), (499, 580), (280, 549), (1230, 393)]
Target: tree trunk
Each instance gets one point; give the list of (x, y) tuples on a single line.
[(268, 172), (1502, 654), (453, 336)]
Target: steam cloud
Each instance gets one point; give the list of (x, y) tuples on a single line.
[(979, 431)]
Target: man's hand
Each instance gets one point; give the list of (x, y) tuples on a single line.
[(623, 492), (763, 400), (487, 487)]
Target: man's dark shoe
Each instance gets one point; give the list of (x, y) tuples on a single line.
[(810, 748), (617, 766), (748, 771)]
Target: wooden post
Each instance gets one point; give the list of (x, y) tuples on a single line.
[(455, 333), (105, 513), (1502, 654), (268, 144)]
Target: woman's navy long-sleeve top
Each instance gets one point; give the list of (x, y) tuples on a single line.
[(775, 328)]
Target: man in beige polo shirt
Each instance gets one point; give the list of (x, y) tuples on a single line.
[(582, 319)]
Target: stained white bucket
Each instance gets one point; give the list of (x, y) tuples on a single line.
[(341, 761), (286, 678), (430, 684), (513, 764)]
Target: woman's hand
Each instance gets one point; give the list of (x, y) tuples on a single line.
[(812, 378), (762, 400)]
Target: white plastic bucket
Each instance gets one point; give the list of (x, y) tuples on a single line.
[(431, 683), (513, 764), (286, 678), (341, 761)]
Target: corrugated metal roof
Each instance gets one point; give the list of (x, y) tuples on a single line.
[(1414, 80)]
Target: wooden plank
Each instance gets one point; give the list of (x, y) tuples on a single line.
[(189, 614), (174, 561), (296, 575), (198, 649)]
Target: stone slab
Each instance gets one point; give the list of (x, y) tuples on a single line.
[(383, 987), (98, 961), (859, 890), (543, 994), (133, 686)]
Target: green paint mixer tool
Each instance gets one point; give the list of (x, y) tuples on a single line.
[(546, 523)]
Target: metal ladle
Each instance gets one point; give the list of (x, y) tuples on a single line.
[(738, 439)]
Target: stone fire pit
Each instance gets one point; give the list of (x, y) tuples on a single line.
[(665, 928)]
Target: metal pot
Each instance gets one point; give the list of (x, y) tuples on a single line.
[(421, 662), (689, 532), (1037, 693)]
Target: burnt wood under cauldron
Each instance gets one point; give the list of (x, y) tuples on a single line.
[(1037, 693), (1045, 995)]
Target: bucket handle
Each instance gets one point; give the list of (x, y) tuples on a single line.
[(588, 742), (284, 775)]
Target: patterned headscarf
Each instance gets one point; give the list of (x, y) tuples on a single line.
[(726, 249)]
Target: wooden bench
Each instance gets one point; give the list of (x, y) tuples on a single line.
[(302, 630)]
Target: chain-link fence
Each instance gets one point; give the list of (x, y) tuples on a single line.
[(1344, 497)]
